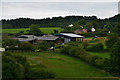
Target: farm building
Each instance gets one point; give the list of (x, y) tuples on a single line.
[(67, 37), (58, 38), (26, 38), (49, 38)]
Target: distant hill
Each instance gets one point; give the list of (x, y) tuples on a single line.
[(58, 21)]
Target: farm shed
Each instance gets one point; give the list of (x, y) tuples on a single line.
[(26, 38), (49, 38), (67, 37)]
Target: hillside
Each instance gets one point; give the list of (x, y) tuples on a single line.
[(59, 21), (63, 66)]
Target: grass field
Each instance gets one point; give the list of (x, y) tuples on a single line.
[(63, 66), (101, 54), (47, 30)]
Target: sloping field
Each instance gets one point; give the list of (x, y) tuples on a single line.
[(100, 54), (63, 66), (46, 30)]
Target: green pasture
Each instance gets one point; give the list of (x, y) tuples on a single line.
[(63, 66), (100, 54), (46, 30)]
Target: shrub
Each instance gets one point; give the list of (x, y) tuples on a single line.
[(51, 44), (59, 46), (73, 43), (85, 44), (94, 58), (112, 38), (10, 42), (17, 67), (96, 47), (65, 50), (74, 51), (115, 59), (13, 66), (26, 46), (43, 45), (99, 62)]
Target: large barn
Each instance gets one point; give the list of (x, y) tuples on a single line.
[(58, 38), (67, 37)]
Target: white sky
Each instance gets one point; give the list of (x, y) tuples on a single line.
[(38, 9)]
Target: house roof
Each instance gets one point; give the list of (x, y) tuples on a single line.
[(48, 37), (70, 35), (24, 39), (28, 36)]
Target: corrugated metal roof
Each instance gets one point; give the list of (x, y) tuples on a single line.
[(24, 39), (28, 36), (48, 37), (71, 35)]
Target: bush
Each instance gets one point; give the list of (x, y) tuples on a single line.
[(26, 46), (59, 46), (99, 62), (92, 34), (17, 67), (43, 45), (112, 38), (115, 59), (73, 43), (85, 44), (13, 66), (80, 53), (10, 42), (96, 47), (65, 50)]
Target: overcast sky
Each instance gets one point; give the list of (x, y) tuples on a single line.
[(12, 9)]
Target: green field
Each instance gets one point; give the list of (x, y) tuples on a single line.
[(46, 30), (101, 54), (63, 66)]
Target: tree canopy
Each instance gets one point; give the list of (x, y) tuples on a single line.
[(34, 29)]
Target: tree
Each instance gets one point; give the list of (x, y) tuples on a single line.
[(8, 26), (89, 26), (34, 29), (11, 64), (108, 26), (112, 38), (113, 64), (82, 22), (55, 31), (95, 24), (116, 29)]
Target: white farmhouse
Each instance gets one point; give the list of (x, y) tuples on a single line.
[(71, 25), (93, 29), (109, 32)]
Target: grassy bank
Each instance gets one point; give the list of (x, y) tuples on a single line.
[(100, 54), (63, 66)]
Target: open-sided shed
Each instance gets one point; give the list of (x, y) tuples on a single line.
[(67, 37)]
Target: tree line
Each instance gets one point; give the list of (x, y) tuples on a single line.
[(63, 22), (58, 21)]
